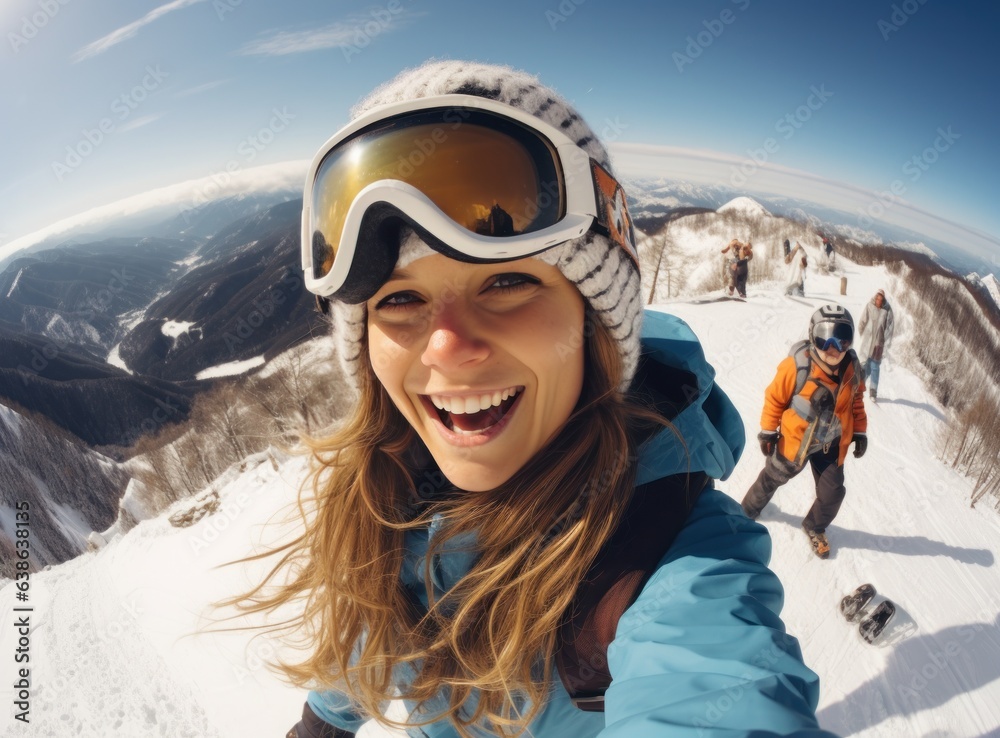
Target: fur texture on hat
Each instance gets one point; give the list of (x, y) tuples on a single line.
[(603, 273)]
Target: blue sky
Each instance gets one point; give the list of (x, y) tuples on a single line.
[(100, 102)]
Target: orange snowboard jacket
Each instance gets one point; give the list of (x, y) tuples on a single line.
[(849, 406)]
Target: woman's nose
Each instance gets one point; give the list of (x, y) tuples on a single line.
[(454, 341)]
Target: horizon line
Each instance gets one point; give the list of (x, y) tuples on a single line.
[(630, 158), (776, 179)]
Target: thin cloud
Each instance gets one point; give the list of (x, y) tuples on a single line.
[(126, 32), (139, 122), (356, 32), (201, 88)]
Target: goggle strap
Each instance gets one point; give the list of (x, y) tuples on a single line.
[(612, 210)]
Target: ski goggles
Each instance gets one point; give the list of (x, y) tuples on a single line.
[(833, 335), (479, 180)]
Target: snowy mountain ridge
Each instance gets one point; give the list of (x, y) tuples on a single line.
[(746, 206), (659, 194), (992, 285)]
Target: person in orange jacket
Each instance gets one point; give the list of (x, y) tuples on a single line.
[(814, 410)]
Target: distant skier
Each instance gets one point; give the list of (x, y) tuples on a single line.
[(814, 409), (739, 268), (828, 252), (878, 315), (795, 283)]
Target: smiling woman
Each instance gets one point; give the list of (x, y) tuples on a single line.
[(515, 531), (466, 352)]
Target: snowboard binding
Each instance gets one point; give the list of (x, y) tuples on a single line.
[(853, 605), (873, 625)]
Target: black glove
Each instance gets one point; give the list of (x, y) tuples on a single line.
[(768, 442), (860, 444)]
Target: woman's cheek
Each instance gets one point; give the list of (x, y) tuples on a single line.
[(387, 350)]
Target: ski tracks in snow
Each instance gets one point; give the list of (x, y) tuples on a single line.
[(905, 526), (96, 674), (915, 538)]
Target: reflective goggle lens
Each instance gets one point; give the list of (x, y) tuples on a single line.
[(490, 175), (836, 335), (825, 344)]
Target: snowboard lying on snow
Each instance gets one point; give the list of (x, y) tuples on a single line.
[(854, 607)]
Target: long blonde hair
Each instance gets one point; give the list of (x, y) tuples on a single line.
[(494, 635)]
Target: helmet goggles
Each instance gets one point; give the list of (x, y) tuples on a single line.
[(833, 335), (481, 181)]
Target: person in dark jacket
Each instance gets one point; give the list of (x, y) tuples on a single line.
[(876, 327), (739, 265), (469, 533), (829, 252)]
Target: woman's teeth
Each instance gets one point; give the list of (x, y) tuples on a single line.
[(473, 403)]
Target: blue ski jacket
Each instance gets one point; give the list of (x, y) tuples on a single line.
[(701, 653)]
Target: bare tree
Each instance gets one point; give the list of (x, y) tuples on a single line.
[(660, 246)]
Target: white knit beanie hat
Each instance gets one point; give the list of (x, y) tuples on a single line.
[(602, 271)]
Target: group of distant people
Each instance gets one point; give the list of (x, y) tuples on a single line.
[(739, 255)]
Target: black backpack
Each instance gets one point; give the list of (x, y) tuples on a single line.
[(656, 513)]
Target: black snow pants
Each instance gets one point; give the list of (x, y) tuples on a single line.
[(828, 476), (740, 278)]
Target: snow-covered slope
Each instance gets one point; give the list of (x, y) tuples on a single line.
[(905, 526), (117, 650)]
